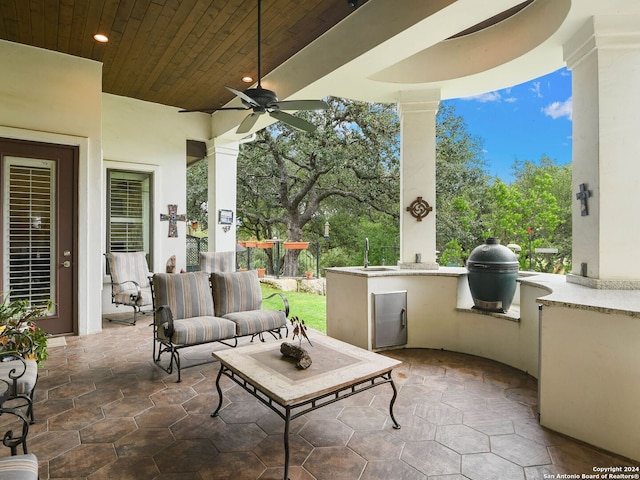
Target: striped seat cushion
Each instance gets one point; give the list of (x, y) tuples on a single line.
[(217, 262), (236, 292), (125, 267), (27, 381), (19, 467), (192, 331), (256, 321), (125, 297), (188, 295)]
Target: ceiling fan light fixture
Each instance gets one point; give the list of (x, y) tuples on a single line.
[(101, 37), (247, 79)]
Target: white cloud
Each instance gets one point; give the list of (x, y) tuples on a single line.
[(536, 89), (557, 110), (485, 97), (511, 99)]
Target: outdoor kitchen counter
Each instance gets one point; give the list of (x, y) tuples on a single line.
[(554, 290), (439, 310), (580, 342), (589, 376), (439, 313)]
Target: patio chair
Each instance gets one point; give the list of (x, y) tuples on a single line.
[(19, 373), (217, 262), (130, 282), (184, 317), (19, 428), (17, 466)]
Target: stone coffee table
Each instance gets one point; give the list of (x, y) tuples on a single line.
[(339, 370)]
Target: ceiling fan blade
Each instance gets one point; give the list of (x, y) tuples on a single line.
[(301, 105), (248, 122), (212, 109), (243, 96), (295, 122)]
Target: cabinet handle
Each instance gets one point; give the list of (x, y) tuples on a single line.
[(403, 317)]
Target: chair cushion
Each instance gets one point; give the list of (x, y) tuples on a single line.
[(126, 266), (236, 292), (192, 331), (256, 321), (125, 297), (186, 294), (217, 262), (25, 382), (19, 467)]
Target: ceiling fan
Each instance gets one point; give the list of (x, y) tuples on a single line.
[(261, 101)]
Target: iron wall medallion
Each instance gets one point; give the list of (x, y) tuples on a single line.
[(419, 209)]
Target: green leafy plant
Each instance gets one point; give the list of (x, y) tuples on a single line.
[(18, 332), (452, 255)]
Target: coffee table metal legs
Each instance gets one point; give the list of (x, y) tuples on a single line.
[(215, 414), (286, 412), (287, 423)]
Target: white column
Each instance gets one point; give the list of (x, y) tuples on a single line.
[(223, 163), (417, 111), (604, 57)]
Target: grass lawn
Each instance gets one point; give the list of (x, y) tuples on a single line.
[(307, 306)]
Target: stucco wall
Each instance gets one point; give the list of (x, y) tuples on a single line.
[(56, 98), (51, 97), (146, 136)]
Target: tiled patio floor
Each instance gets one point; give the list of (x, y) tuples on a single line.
[(105, 411)]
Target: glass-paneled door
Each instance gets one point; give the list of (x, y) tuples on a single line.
[(29, 219), (38, 225)]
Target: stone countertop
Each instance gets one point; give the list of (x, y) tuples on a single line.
[(570, 295), (390, 271)]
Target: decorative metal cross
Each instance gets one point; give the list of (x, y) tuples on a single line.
[(419, 209), (582, 195), (173, 218)]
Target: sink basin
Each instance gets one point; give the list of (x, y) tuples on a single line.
[(375, 269)]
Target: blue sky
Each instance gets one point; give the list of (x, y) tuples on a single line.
[(523, 122)]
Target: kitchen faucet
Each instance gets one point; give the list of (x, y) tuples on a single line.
[(366, 252)]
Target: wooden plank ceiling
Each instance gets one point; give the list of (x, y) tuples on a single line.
[(174, 52)]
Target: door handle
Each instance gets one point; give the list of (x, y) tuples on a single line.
[(66, 264)]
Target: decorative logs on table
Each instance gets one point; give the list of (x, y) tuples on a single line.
[(299, 353)]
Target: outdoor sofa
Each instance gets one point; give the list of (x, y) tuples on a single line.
[(196, 308)]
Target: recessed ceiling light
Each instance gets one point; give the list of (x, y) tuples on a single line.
[(99, 37), (247, 79)]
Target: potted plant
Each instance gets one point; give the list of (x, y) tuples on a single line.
[(309, 274), (259, 265), (18, 331), (296, 245)]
